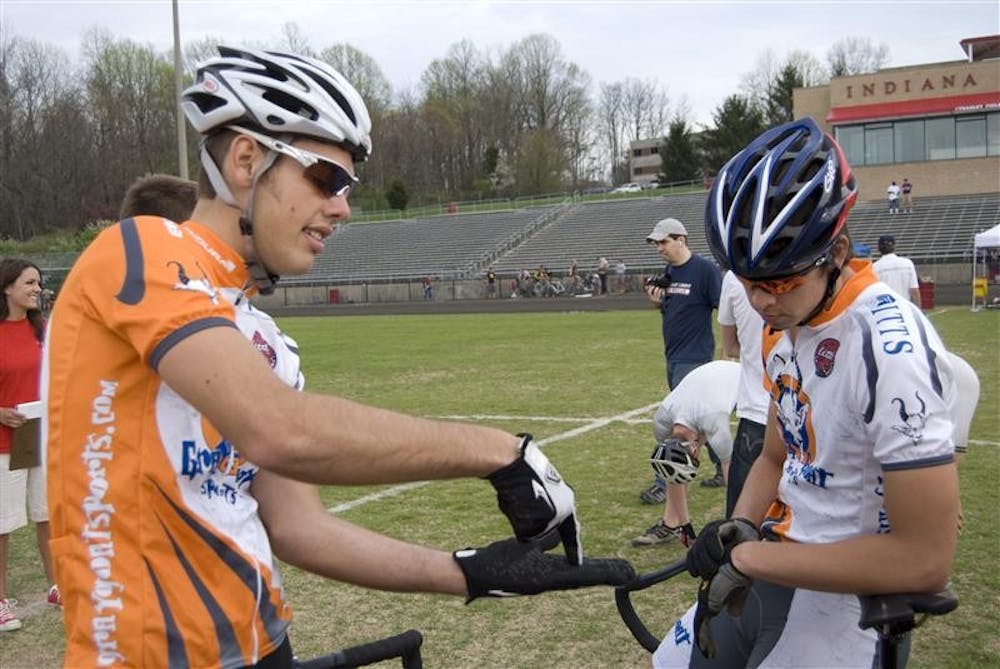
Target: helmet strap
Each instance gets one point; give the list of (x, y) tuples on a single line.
[(831, 284), (261, 275)]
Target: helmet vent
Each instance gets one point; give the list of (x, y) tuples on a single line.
[(291, 104), (206, 102), (335, 94)]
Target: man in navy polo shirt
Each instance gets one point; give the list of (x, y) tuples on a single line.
[(686, 307)]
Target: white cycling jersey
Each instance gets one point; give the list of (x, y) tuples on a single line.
[(866, 390), (702, 402)]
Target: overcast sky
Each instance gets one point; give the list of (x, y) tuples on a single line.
[(697, 50)]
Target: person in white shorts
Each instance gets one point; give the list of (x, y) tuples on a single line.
[(855, 491), (696, 412)]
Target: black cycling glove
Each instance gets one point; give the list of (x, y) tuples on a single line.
[(715, 543), (727, 589), (511, 567), (536, 499)]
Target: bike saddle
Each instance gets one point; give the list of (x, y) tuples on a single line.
[(881, 610)]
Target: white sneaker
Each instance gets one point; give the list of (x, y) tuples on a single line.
[(8, 621)]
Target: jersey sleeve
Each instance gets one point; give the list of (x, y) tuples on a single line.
[(148, 283), (904, 397)]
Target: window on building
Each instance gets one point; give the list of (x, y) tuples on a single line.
[(993, 134), (970, 136), (942, 138), (940, 133), (909, 141), (878, 143), (852, 141)]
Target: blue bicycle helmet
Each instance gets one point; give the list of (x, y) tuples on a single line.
[(777, 206)]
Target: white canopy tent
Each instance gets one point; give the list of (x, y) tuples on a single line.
[(988, 239)]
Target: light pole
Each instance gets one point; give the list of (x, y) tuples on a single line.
[(178, 86)]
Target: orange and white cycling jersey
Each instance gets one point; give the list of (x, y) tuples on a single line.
[(864, 389), (160, 555)]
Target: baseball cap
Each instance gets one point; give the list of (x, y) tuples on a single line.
[(665, 228), (886, 239)]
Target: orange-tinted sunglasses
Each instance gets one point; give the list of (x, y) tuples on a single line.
[(779, 286)]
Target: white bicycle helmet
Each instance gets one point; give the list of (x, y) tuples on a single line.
[(672, 460), (278, 94)]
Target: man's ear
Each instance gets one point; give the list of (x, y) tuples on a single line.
[(839, 253), (243, 155)]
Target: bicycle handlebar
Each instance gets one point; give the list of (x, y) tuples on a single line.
[(405, 646), (624, 602), (888, 614)]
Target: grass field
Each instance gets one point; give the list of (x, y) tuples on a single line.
[(548, 374)]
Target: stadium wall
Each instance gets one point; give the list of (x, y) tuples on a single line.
[(953, 274)]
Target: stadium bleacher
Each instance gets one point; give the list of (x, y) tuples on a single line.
[(940, 229)]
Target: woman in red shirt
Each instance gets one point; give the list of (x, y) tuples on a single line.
[(21, 336)]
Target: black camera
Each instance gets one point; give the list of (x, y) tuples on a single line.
[(659, 281)]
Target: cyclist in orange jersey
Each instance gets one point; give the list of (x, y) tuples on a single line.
[(181, 455)]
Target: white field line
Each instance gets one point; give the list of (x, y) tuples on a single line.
[(544, 419), (593, 424)]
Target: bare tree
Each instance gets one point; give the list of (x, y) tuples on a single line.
[(856, 55), (293, 41), (645, 108), (610, 117), (362, 71), (130, 101)]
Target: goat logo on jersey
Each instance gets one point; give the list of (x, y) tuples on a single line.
[(794, 408), (826, 356), (185, 282), (912, 423), (260, 343)]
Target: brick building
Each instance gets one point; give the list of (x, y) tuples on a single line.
[(937, 125)]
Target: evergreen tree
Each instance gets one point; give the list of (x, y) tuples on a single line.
[(397, 195), (678, 154), (779, 94), (737, 121)]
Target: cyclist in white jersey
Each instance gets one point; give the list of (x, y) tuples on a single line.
[(856, 490)]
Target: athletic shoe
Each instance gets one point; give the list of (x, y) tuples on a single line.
[(8, 621), (53, 597), (714, 482), (653, 495), (662, 533)]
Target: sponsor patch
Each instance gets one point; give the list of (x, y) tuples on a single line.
[(266, 350), (826, 356)]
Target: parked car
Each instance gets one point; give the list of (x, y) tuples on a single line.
[(628, 188)]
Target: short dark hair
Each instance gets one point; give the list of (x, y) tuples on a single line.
[(217, 144), (160, 195), (886, 244)]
